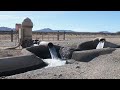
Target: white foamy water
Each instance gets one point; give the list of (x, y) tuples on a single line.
[(35, 45), (55, 61), (100, 45)]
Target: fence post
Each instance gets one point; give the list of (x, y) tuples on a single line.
[(58, 35), (64, 35), (11, 35)]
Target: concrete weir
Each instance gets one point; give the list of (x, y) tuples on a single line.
[(42, 51), (18, 64), (88, 55)]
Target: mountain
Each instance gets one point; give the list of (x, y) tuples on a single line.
[(104, 32), (50, 30), (45, 30), (42, 30), (6, 29)]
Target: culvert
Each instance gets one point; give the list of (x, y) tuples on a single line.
[(94, 44), (42, 51), (48, 52), (30, 58), (88, 55), (90, 49), (35, 57)]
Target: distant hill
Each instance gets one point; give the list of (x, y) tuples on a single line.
[(104, 32), (6, 29), (50, 30), (41, 30)]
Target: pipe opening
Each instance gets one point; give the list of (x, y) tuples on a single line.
[(50, 45)]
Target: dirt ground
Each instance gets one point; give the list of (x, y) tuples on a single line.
[(102, 67)]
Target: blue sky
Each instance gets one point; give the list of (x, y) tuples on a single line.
[(81, 21)]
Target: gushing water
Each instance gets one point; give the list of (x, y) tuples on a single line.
[(53, 53), (55, 61), (100, 45)]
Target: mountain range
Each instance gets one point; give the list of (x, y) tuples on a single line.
[(44, 30), (41, 30), (104, 32), (50, 30), (6, 29)]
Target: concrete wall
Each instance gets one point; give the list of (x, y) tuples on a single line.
[(13, 65), (42, 51), (88, 55), (27, 33)]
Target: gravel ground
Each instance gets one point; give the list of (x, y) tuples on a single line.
[(102, 67), (7, 43), (9, 53), (98, 68)]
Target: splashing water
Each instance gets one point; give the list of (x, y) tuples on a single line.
[(100, 45), (55, 61), (53, 53)]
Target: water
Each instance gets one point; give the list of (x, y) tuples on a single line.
[(53, 53), (35, 45), (55, 61), (100, 45)]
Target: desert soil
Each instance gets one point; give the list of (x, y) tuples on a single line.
[(102, 67)]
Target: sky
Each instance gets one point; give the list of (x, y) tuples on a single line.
[(80, 21)]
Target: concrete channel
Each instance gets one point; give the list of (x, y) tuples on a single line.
[(18, 64)]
